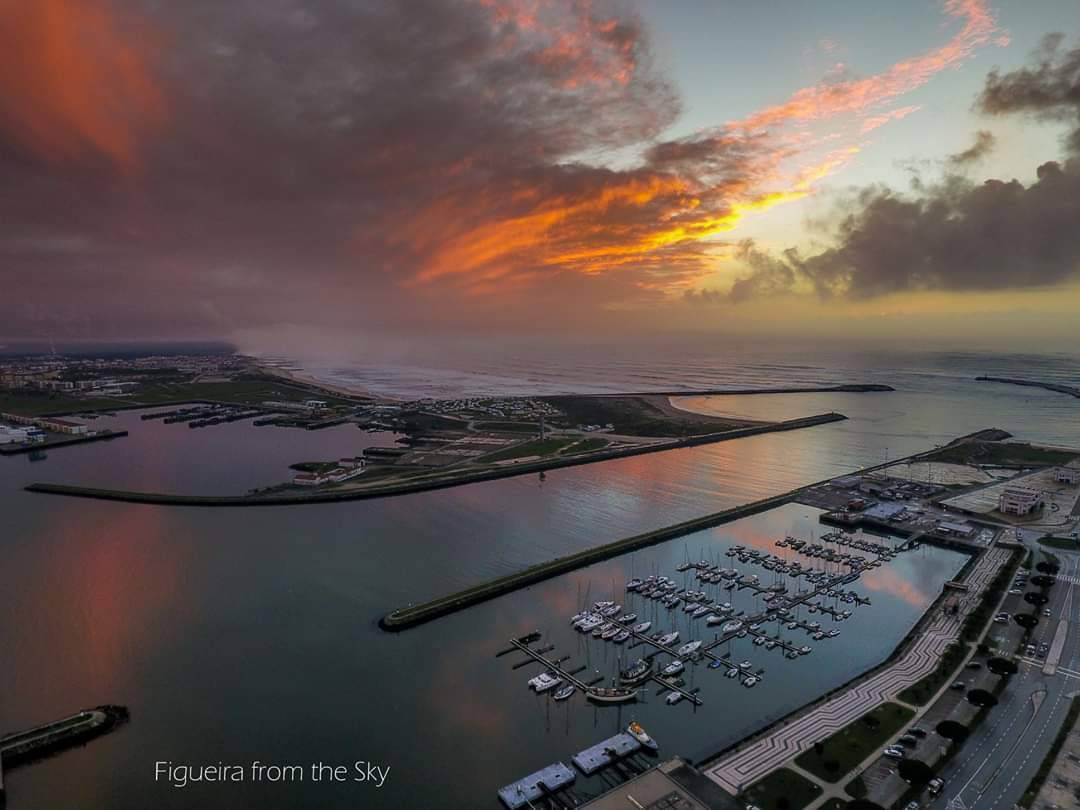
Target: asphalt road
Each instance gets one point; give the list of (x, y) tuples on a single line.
[(997, 762)]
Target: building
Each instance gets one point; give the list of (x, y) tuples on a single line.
[(1070, 473), (1019, 501), (956, 529), (48, 423), (63, 426)]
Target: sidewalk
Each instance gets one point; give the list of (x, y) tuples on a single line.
[(747, 764)]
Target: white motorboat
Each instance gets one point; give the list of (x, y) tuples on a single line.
[(689, 648), (668, 638), (674, 668), (642, 627)]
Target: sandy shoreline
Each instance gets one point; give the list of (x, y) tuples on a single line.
[(342, 390)]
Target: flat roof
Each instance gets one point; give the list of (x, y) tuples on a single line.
[(652, 790)]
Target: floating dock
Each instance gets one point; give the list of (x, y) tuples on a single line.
[(536, 785), (604, 753)]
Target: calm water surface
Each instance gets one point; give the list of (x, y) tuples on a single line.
[(247, 634)]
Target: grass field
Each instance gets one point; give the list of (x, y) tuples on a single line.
[(833, 758), (1003, 453), (782, 789), (638, 416), (1064, 543), (37, 404), (508, 427), (245, 391), (589, 445), (536, 447)]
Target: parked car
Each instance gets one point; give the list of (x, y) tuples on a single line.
[(935, 785), (974, 665), (1046, 612), (958, 685), (916, 731), (909, 740), (1015, 591), (894, 753), (911, 806)]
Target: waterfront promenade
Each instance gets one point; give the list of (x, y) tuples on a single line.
[(746, 764)]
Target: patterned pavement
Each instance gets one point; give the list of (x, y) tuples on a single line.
[(747, 764)]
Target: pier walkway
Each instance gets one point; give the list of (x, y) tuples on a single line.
[(746, 764)]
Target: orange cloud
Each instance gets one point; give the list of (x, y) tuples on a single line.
[(859, 95), (660, 220), (872, 123), (75, 81)]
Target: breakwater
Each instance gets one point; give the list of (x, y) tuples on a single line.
[(1071, 390), (23, 747), (432, 482), (410, 616), (64, 441), (413, 615)]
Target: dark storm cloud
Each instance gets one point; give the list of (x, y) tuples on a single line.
[(204, 166), (254, 162), (1048, 89), (957, 235), (983, 146)]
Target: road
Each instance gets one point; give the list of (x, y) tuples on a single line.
[(995, 765)]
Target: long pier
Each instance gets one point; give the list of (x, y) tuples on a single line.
[(25, 746), (61, 441), (570, 676), (1071, 390)]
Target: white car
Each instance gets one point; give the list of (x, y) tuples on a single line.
[(893, 753)]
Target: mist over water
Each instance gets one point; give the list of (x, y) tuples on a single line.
[(239, 634)]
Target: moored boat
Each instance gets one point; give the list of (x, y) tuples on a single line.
[(611, 694), (689, 648), (638, 733), (564, 692), (637, 672), (674, 668)]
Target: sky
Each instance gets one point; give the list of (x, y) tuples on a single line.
[(262, 170)]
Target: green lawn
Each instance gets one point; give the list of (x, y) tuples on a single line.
[(509, 427), (590, 445), (919, 693), (782, 790), (250, 390), (832, 759), (1065, 543), (36, 404), (1003, 453), (536, 447)]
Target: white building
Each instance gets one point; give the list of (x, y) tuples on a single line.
[(1070, 473), (1019, 500)]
